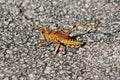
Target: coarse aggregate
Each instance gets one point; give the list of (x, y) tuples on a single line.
[(98, 59)]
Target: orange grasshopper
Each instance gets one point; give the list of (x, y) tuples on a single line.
[(60, 37)]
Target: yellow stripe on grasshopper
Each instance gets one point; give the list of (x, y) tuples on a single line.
[(71, 42)]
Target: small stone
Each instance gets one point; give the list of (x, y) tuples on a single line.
[(41, 8), (15, 10), (25, 4), (29, 13), (61, 72), (9, 51), (14, 78), (86, 5), (6, 56), (64, 10), (31, 75), (15, 49), (96, 77), (6, 78), (67, 78), (2, 1), (22, 78), (1, 74), (47, 70), (42, 19), (74, 77), (80, 78), (54, 3), (42, 78), (105, 54), (83, 10), (46, 55), (52, 72)]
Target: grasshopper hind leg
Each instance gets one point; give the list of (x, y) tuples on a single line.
[(63, 49), (60, 46), (82, 26)]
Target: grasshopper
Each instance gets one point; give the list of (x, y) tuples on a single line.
[(60, 37)]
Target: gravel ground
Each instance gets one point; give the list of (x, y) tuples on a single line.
[(99, 59)]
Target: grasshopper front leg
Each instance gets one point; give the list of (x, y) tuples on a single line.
[(41, 44)]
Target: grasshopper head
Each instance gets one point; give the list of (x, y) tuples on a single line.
[(41, 31)]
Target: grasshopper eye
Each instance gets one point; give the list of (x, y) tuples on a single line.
[(74, 26), (42, 31)]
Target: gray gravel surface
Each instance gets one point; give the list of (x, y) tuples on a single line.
[(99, 59)]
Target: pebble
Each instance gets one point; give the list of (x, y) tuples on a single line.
[(80, 78), (54, 3), (14, 78), (96, 77), (2, 1), (46, 55), (9, 51), (6, 78), (47, 70), (22, 78), (31, 75), (61, 72), (1, 75), (15, 49), (42, 78), (41, 9)]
